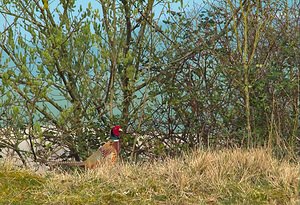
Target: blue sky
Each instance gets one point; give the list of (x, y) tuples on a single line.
[(174, 6), (96, 5), (84, 3)]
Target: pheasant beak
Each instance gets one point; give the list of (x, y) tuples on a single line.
[(120, 130)]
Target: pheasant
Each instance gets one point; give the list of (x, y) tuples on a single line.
[(110, 151)]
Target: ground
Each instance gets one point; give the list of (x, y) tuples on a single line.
[(202, 177)]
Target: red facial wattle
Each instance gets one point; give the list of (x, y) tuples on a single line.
[(116, 130)]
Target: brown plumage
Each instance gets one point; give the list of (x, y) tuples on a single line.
[(106, 153)]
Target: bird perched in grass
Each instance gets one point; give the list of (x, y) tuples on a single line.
[(109, 151)]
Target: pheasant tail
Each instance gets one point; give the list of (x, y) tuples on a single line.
[(71, 163), (107, 153)]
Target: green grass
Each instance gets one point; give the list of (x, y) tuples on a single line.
[(17, 187), (220, 177)]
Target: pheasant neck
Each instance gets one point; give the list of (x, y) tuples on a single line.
[(116, 142), (114, 138), (117, 146)]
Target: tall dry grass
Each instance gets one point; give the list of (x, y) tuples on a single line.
[(202, 177), (220, 177)]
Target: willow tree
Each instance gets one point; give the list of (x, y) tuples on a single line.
[(76, 68)]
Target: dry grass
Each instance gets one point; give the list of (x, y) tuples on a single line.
[(223, 177)]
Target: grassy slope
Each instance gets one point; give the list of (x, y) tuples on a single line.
[(224, 177)]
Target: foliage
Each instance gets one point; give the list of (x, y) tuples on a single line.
[(222, 73)]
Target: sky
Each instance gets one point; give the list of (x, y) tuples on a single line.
[(95, 5), (84, 4)]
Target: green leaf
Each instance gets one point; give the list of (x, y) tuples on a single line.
[(130, 71), (11, 41), (15, 110)]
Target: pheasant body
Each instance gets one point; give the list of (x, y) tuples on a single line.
[(108, 152)]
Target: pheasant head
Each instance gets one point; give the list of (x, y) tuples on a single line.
[(115, 137), (115, 133)]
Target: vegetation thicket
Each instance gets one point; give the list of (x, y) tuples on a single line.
[(209, 75)]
